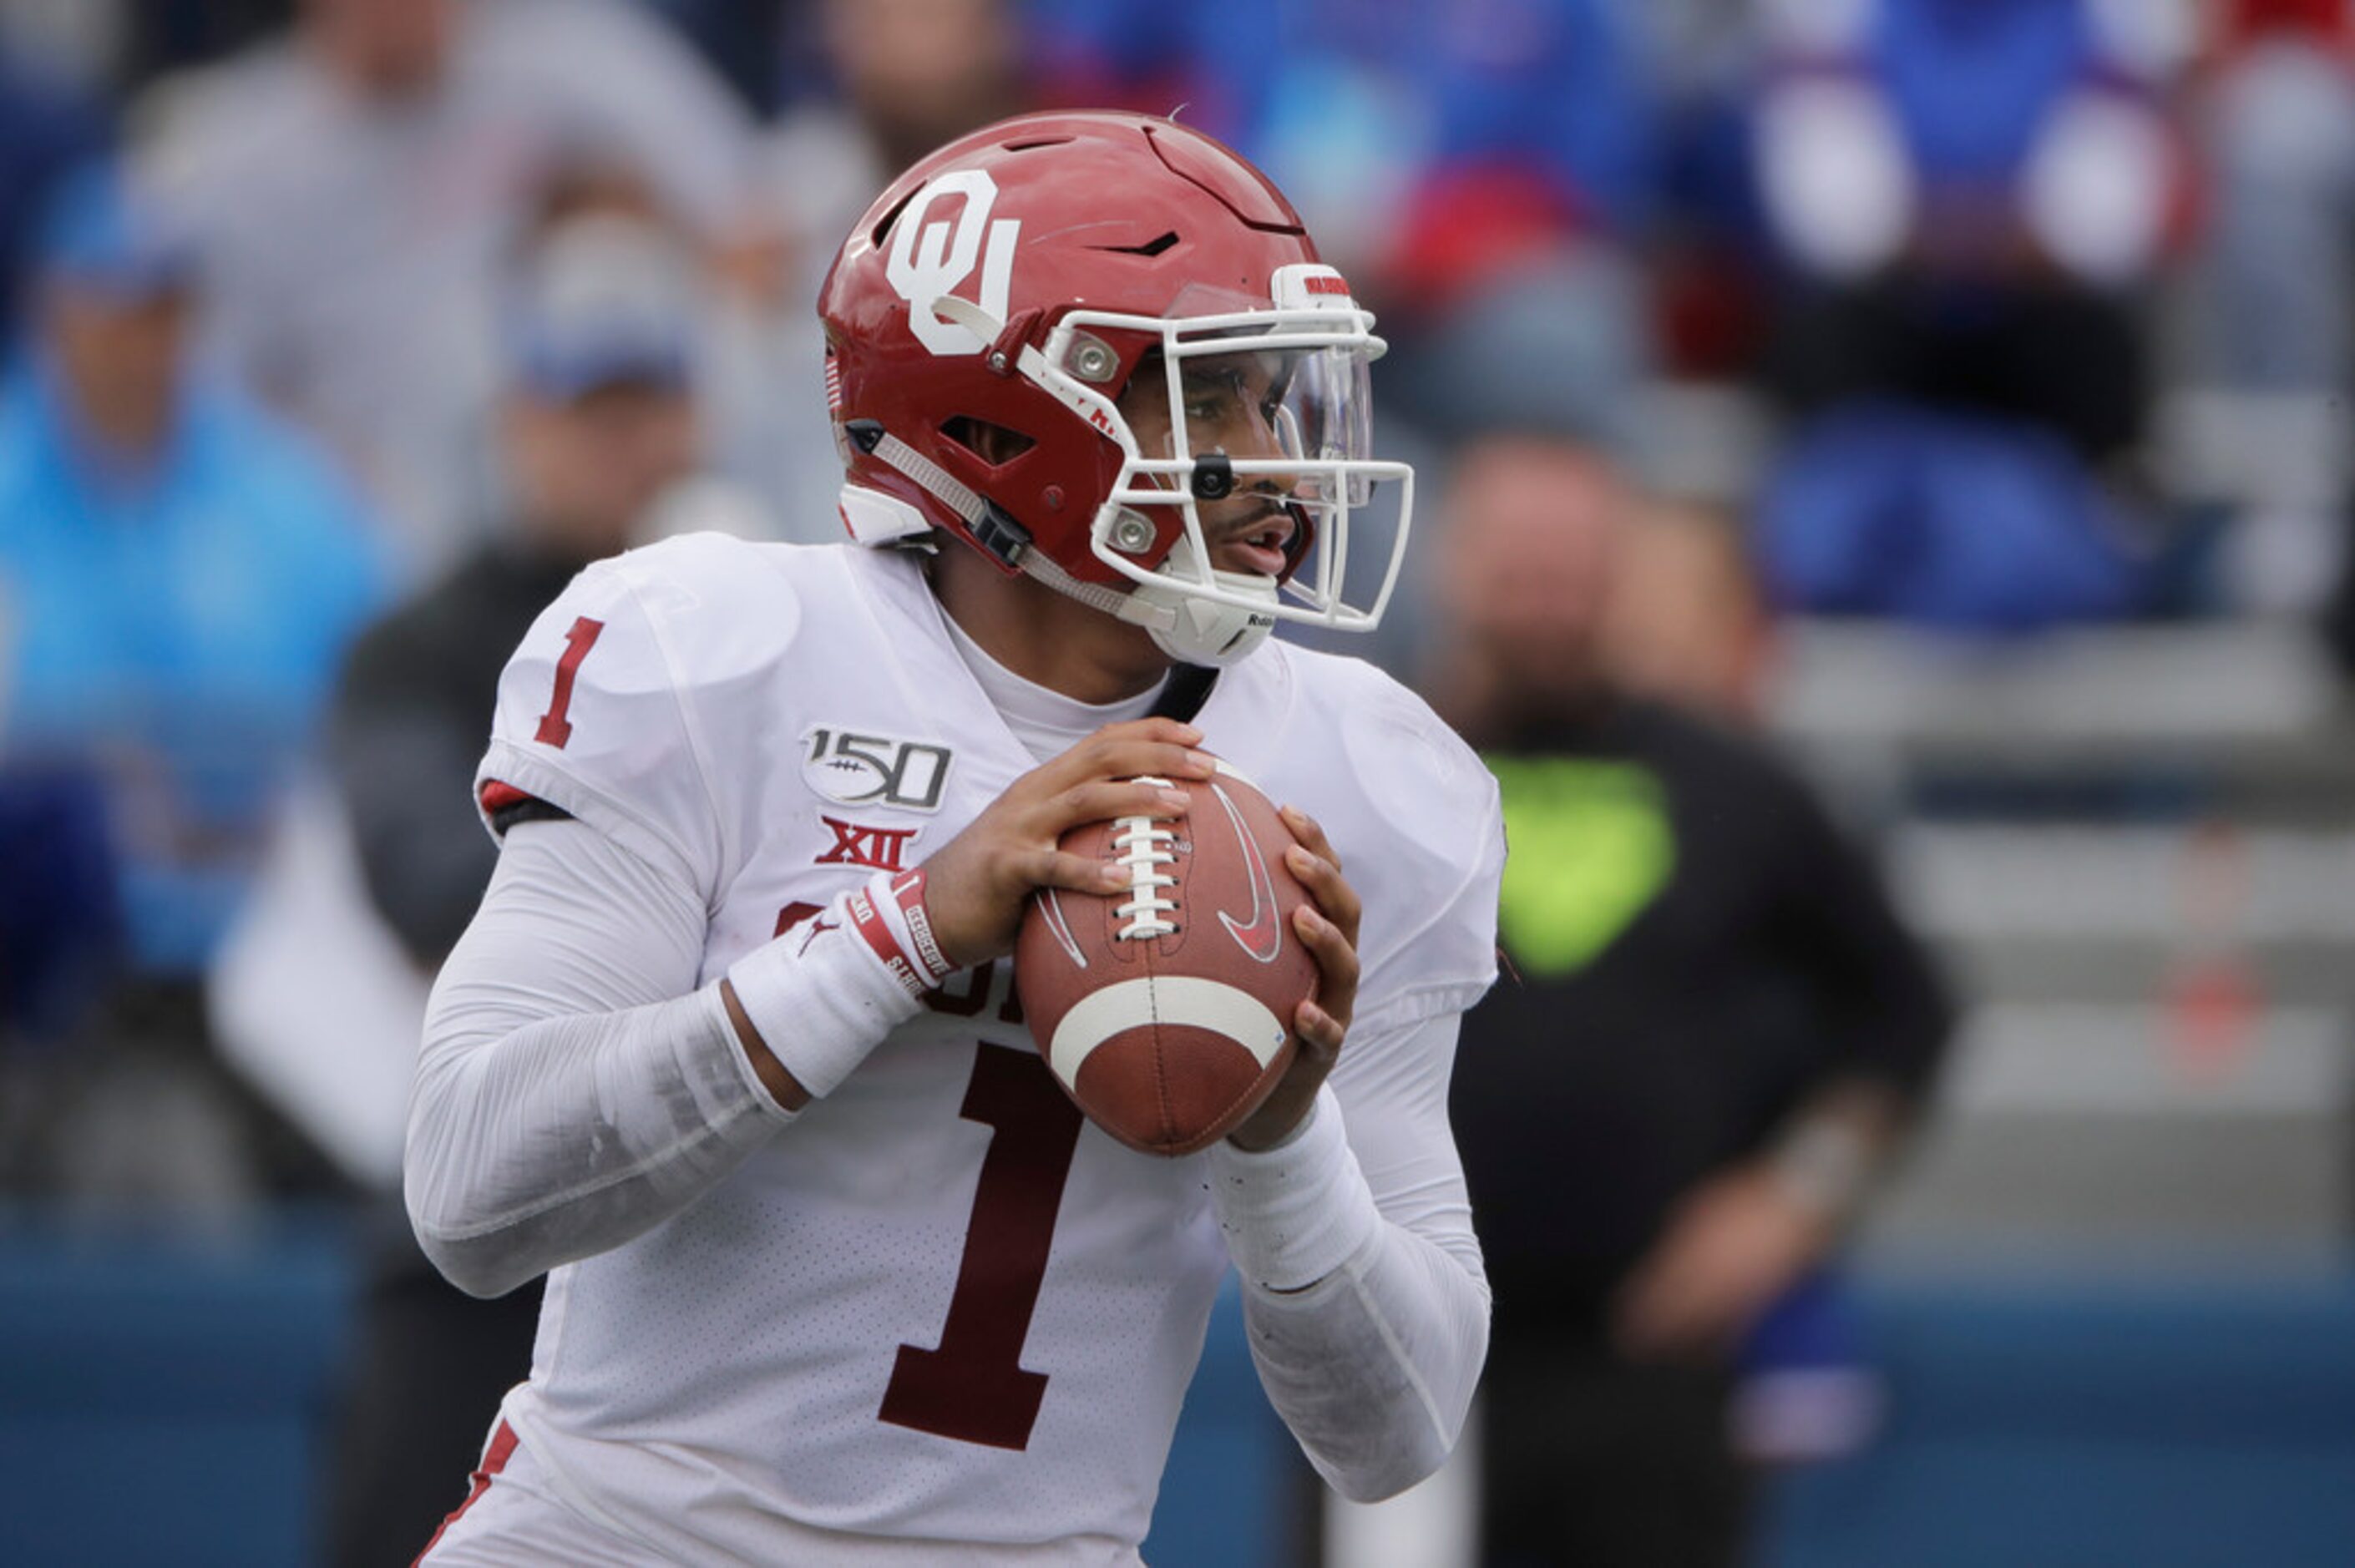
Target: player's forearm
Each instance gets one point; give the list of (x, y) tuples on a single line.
[(1368, 1334), (1373, 1367), (574, 1087), (564, 1136), (569, 1096)]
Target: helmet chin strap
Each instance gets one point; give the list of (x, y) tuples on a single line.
[(1190, 629), (1200, 631)]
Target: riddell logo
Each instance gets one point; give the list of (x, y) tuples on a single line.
[(858, 845), (1260, 934)]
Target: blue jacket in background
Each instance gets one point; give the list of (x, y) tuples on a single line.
[(173, 631)]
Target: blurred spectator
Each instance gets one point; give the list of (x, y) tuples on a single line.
[(905, 77), (1684, 621), (596, 423), (350, 190), (916, 74), (1476, 169), (46, 128), (1719, 1031), (183, 569), (181, 572), (1971, 198)]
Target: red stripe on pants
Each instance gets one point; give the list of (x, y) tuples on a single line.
[(495, 1454)]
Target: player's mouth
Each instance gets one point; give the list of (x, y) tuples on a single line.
[(1258, 545)]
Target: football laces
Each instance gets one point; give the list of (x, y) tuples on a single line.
[(1145, 853)]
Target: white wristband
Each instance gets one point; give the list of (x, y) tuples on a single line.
[(821, 998), (1294, 1213)]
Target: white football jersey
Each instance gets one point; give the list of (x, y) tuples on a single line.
[(939, 1307)]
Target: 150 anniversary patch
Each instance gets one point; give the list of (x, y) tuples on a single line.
[(858, 770)]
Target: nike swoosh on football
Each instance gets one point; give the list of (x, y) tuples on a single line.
[(1061, 928), (1261, 934)]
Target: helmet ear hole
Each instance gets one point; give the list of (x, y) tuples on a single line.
[(996, 445)]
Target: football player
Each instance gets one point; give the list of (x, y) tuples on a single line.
[(837, 1271)]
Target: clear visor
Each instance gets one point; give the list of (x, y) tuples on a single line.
[(1245, 421), (1296, 419)]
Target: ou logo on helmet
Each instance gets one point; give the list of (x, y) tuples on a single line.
[(929, 259)]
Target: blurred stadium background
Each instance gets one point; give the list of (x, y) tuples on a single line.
[(1983, 366)]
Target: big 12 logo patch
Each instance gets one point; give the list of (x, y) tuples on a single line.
[(857, 769)]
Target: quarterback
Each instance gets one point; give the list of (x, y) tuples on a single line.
[(731, 1052)]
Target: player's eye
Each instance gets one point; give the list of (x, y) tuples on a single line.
[(1210, 397)]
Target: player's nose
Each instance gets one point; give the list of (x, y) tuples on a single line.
[(1252, 436)]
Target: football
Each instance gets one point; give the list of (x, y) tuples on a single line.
[(1166, 1013)]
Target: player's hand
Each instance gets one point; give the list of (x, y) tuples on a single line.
[(976, 884), (1733, 1246), (1327, 926)]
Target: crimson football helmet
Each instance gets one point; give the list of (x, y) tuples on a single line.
[(1092, 346)]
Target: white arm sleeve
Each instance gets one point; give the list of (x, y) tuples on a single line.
[(574, 1087), (1363, 1290)]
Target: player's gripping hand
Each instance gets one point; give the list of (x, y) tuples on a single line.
[(976, 883), (1329, 931)]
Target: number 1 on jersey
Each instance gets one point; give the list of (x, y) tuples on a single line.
[(974, 1388), (555, 729)]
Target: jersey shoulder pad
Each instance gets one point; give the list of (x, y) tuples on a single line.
[(612, 705), (1425, 842)]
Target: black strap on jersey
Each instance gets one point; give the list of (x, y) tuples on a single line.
[(1188, 689), (527, 809)]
